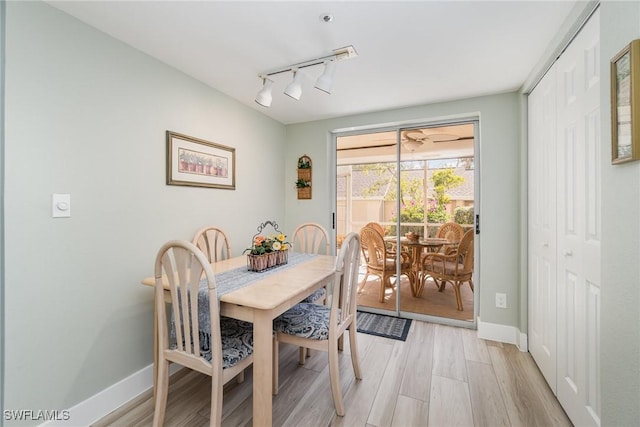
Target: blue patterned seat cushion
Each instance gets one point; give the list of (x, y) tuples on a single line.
[(305, 320), (316, 296), (237, 341)]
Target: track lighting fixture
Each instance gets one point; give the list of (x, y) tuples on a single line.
[(294, 89), (325, 81), (264, 96)]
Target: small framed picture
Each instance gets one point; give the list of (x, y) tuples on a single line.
[(625, 104), (199, 163)]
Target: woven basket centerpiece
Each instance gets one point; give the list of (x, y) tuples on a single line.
[(267, 250)]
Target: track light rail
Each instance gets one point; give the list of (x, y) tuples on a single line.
[(337, 55)]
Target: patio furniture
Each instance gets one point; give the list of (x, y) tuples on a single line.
[(380, 260), (455, 267), (452, 232)]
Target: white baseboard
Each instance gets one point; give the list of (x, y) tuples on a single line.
[(502, 333), (523, 344), (108, 400)]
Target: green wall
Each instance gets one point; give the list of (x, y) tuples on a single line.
[(87, 115), (620, 313)]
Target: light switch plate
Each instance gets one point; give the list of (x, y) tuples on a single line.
[(61, 205)]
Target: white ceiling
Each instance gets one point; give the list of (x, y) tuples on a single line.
[(409, 52)]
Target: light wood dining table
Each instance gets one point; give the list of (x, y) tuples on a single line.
[(259, 302)]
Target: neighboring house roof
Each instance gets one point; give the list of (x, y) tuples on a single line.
[(361, 180)]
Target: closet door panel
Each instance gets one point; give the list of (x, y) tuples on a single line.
[(578, 230), (542, 226), (565, 227)]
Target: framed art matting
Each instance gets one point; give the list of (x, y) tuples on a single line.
[(625, 104), (199, 163)]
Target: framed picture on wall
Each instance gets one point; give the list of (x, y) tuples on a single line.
[(199, 163), (625, 104)]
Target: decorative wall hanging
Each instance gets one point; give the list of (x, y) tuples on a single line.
[(303, 184), (625, 104), (199, 163)]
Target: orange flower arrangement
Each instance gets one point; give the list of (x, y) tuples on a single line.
[(263, 245)]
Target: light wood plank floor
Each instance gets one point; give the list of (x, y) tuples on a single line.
[(441, 376)]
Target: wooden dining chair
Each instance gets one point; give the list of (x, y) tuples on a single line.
[(380, 260), (222, 350), (455, 267), (312, 238), (320, 327), (213, 242)]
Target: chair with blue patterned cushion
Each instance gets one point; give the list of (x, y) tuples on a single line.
[(223, 351), (311, 238), (320, 327), (213, 243)]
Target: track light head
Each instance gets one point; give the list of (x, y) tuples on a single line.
[(325, 81), (264, 95), (294, 89)]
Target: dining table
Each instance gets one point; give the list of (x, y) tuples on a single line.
[(260, 297)]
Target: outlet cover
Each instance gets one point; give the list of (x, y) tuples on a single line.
[(501, 300)]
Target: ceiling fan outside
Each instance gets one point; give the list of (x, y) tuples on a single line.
[(412, 140)]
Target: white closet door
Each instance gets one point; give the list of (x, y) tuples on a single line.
[(578, 226), (542, 226)]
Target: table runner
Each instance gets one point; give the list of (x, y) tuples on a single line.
[(240, 277), (227, 282)]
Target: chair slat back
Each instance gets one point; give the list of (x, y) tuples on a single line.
[(465, 251), (343, 305), (373, 248), (213, 242), (451, 231), (377, 226), (311, 238), (182, 265)]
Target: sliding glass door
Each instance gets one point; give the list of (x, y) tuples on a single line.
[(407, 182)]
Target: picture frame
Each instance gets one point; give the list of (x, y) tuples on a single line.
[(625, 104), (198, 163)]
